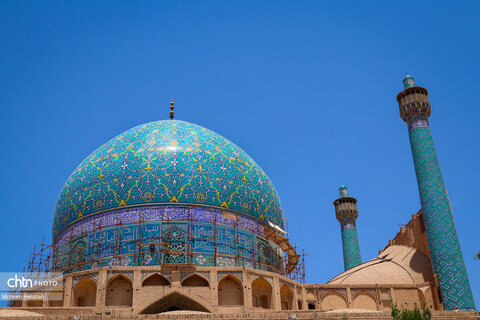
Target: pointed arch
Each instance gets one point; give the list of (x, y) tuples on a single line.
[(332, 300), (174, 301), (119, 291), (364, 300), (195, 280), (286, 297), (230, 291), (311, 295), (262, 293), (155, 279), (85, 293)]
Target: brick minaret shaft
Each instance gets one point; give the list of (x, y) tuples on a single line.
[(347, 213), (445, 252)]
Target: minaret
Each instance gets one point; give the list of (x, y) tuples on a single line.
[(347, 213), (445, 252)]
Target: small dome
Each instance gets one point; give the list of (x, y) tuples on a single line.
[(172, 162), (395, 265)]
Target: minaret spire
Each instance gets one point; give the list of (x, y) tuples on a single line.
[(172, 113), (445, 252), (347, 214)]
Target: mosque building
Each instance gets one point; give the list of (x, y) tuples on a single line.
[(172, 216)]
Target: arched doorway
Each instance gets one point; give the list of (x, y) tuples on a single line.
[(155, 280), (262, 293), (230, 291), (174, 301), (119, 292), (195, 281), (85, 293), (286, 297)]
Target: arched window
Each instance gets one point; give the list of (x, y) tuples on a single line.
[(262, 293), (119, 292), (85, 293), (230, 292)]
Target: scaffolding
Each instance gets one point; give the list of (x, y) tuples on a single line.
[(169, 243)]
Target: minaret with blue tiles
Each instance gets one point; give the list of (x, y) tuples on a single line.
[(445, 252), (347, 213)]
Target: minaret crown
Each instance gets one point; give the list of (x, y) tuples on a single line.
[(414, 106)]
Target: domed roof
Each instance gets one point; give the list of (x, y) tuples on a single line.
[(395, 265), (167, 162)]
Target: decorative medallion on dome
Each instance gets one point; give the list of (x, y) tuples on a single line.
[(168, 162)]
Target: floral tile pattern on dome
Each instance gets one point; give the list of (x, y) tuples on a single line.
[(168, 162)]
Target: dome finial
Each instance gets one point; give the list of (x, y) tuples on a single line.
[(408, 81), (172, 106), (343, 191)]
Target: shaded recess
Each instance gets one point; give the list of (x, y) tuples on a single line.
[(155, 280), (85, 293), (172, 302), (195, 280)]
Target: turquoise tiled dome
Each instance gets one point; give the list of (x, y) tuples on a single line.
[(167, 162)]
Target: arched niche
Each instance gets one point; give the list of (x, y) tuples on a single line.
[(119, 291), (333, 300), (85, 293), (364, 300), (155, 280), (195, 280), (286, 297), (262, 293), (230, 291)]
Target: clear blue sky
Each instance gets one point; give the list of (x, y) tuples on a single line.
[(306, 88)]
